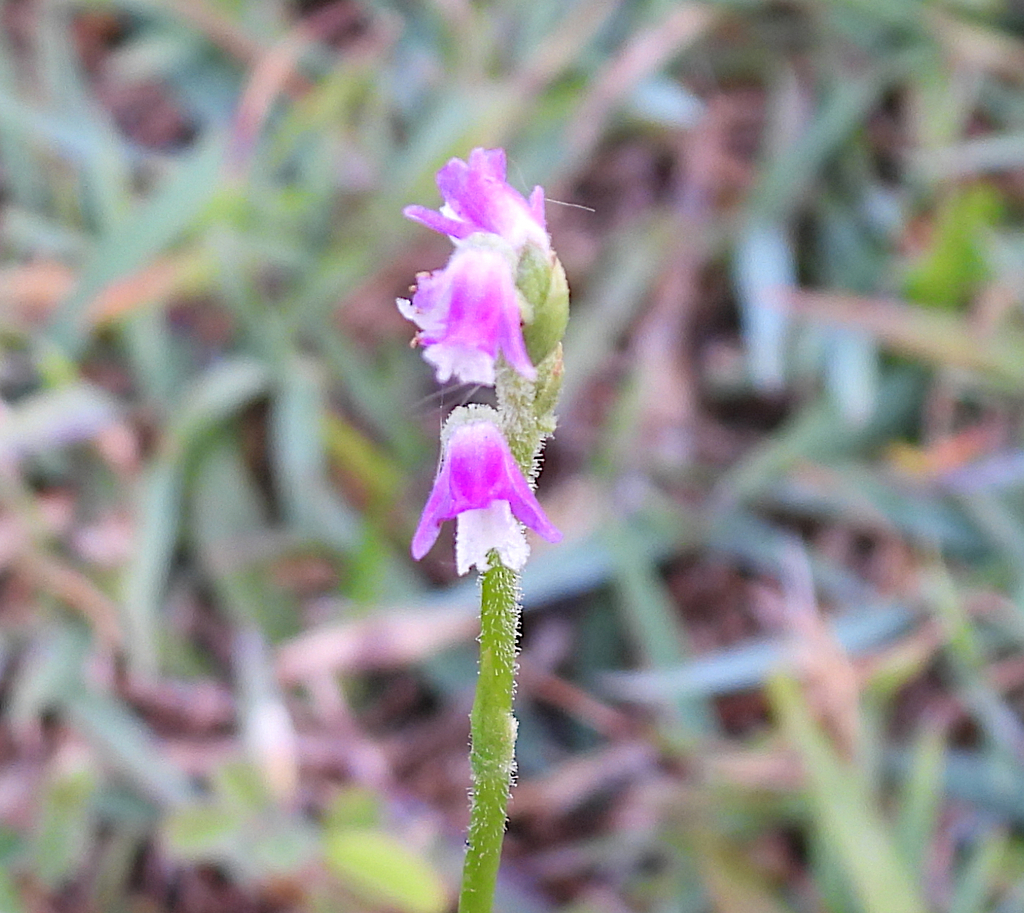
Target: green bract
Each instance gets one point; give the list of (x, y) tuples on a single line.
[(541, 281)]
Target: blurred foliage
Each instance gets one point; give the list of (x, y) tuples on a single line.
[(954, 265), (775, 666)]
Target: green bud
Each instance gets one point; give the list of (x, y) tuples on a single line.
[(542, 283), (533, 274)]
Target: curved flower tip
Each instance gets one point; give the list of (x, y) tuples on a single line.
[(478, 198), (480, 486), (468, 313)]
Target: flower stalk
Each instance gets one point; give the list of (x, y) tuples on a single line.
[(493, 737), (495, 315)]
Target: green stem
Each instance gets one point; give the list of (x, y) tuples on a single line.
[(493, 732), (525, 408)]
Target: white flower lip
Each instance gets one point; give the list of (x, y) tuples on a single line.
[(477, 532)]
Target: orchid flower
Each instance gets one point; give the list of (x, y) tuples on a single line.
[(468, 312), (478, 198), (480, 486)]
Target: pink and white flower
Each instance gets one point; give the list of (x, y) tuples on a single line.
[(480, 486), (468, 312), (478, 198)]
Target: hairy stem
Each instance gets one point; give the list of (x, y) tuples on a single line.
[(493, 732), (526, 419)]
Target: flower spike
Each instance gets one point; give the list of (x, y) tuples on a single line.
[(495, 315)]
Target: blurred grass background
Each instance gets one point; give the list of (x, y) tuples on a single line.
[(776, 665)]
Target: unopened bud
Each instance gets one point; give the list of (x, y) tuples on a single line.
[(541, 280)]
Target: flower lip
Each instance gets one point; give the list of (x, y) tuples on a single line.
[(478, 470), (478, 198)]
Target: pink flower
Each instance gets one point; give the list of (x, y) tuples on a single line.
[(478, 198), (467, 313), (480, 486)]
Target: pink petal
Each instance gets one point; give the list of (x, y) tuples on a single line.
[(513, 346), (526, 508), (488, 161), (537, 206), (435, 512), (435, 221)]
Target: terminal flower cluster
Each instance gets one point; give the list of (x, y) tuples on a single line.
[(470, 316), (470, 311)]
